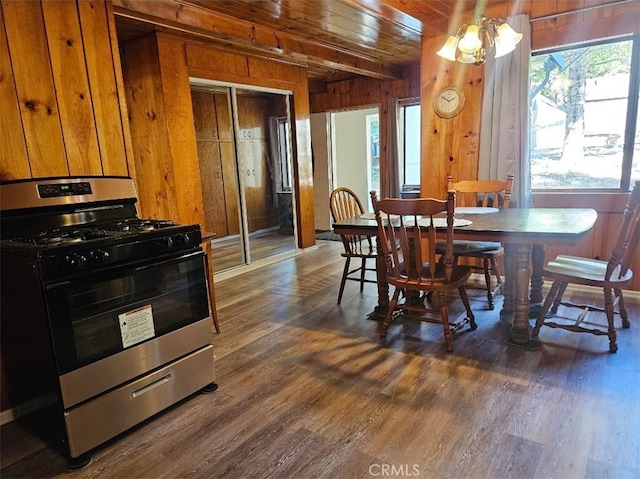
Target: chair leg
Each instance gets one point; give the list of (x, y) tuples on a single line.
[(608, 307), (496, 272), (487, 280), (555, 287), (465, 300), (448, 335), (387, 319), (344, 278), (559, 294), (363, 270), (623, 311)]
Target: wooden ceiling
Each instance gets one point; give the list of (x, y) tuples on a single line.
[(334, 39)]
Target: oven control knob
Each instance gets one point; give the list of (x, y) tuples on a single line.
[(76, 261), (165, 243), (99, 256), (182, 239)]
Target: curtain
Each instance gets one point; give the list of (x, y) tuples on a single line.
[(392, 189), (504, 127)]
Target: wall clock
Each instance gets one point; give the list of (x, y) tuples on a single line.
[(448, 102)]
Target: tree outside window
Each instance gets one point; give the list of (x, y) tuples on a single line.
[(584, 107)]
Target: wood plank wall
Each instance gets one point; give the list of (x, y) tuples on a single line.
[(61, 89)]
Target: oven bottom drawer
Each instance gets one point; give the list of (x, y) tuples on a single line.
[(103, 418)]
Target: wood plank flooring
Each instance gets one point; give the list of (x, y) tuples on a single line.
[(308, 391)]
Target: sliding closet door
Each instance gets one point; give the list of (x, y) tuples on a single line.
[(264, 157), (219, 175), (244, 151)]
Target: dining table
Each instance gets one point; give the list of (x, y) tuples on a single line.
[(524, 232)]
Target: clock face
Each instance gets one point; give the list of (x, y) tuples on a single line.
[(448, 102)]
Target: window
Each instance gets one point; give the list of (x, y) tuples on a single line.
[(283, 173), (584, 106), (373, 152), (409, 149)]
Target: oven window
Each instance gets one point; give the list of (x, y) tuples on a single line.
[(88, 314)]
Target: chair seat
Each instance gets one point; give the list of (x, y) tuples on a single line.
[(462, 247), (584, 271)]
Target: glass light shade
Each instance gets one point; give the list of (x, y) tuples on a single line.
[(448, 50), (508, 35), (470, 42), (502, 48), (466, 58)]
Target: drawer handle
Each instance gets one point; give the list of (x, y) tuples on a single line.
[(149, 387)]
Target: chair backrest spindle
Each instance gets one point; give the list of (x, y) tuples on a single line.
[(484, 193)]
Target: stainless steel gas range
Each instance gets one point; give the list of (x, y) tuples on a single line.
[(105, 317)]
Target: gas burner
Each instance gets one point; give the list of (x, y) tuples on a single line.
[(155, 224), (133, 225), (58, 236)]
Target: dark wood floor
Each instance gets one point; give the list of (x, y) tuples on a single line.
[(308, 391)]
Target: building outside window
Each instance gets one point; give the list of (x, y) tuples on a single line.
[(584, 131)]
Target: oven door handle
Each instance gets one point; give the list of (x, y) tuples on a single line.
[(145, 389)]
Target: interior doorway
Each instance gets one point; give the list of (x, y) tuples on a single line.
[(355, 151), (243, 138), (346, 152)]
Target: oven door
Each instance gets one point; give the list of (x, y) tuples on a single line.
[(140, 307)]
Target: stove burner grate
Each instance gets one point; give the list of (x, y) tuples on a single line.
[(134, 224)]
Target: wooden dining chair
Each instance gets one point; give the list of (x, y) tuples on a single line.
[(483, 194), (612, 276), (406, 246), (344, 204)]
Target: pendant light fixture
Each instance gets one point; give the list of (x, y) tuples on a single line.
[(473, 42)]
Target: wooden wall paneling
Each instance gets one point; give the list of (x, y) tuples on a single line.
[(205, 121), (261, 68), (228, 163), (151, 152), (185, 189), (231, 186), (466, 144), (94, 20), (13, 149), (117, 68), (253, 118), (303, 161), (216, 60), (34, 85), (206, 128), (437, 156), (72, 87), (599, 23), (212, 188)]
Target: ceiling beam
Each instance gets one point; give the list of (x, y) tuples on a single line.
[(186, 18)]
